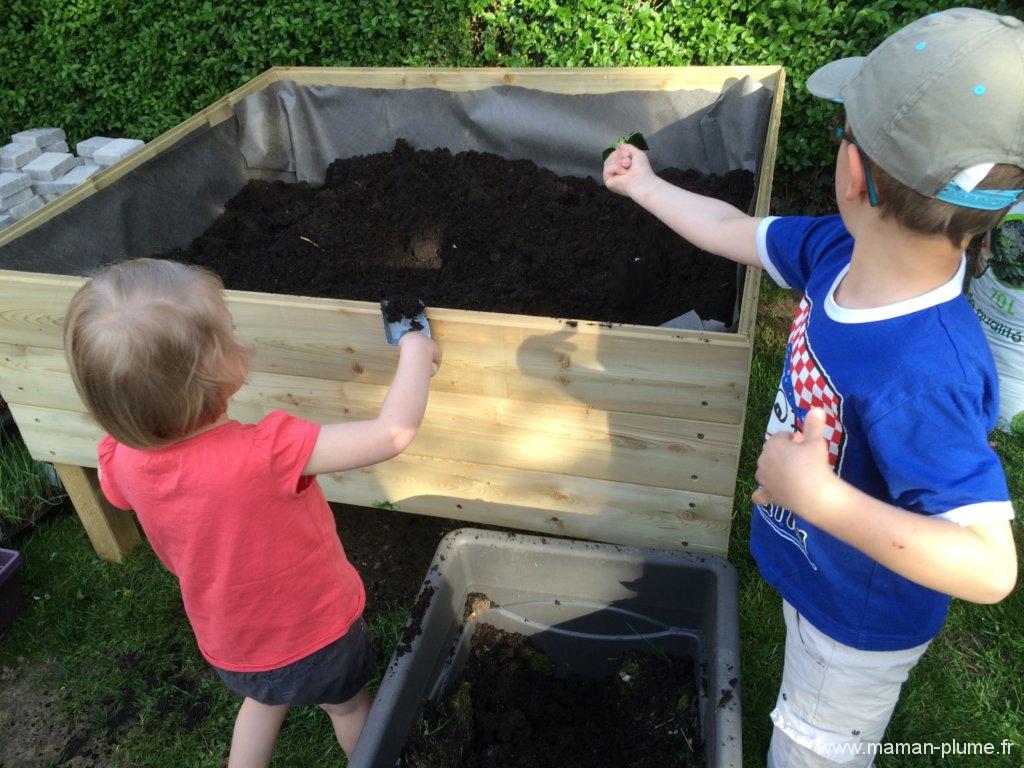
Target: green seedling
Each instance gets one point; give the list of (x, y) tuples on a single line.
[(387, 505), (462, 703), (427, 730), (683, 703), (636, 139), (629, 670), (536, 660)]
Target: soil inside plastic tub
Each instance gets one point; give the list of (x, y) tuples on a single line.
[(508, 709), (470, 231)]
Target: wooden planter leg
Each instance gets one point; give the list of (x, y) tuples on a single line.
[(112, 531)]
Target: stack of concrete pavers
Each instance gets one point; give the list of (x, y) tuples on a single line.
[(17, 198), (37, 166)]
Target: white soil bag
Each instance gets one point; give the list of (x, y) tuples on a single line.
[(998, 299)]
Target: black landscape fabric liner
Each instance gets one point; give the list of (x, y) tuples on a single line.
[(292, 133)]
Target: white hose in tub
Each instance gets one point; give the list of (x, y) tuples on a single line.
[(665, 631)]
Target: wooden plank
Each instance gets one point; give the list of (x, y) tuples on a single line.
[(657, 371), (573, 440), (112, 531), (538, 501), (570, 80), (762, 205)]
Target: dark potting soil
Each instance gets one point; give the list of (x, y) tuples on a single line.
[(400, 308), (391, 550), (415, 626), (508, 710), (470, 231)]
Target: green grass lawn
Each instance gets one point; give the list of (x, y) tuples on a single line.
[(115, 637)]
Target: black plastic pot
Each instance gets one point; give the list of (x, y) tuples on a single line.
[(584, 605), (11, 603)]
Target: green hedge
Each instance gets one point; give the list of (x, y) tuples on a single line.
[(139, 67)]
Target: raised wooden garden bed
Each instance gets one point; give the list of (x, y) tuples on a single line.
[(626, 434)]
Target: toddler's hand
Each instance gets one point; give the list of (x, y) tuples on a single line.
[(794, 470), (417, 340), (626, 170)]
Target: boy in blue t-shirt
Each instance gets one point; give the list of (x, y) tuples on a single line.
[(879, 495)]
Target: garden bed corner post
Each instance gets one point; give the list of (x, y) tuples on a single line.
[(112, 531)]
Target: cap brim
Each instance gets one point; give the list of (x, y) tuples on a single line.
[(828, 81)]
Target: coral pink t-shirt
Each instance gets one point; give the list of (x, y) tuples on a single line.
[(263, 575)]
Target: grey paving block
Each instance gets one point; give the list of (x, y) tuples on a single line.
[(5, 221), (39, 137), (50, 165), (50, 198), (13, 201), (74, 177), (15, 156), (116, 151), (13, 182), (27, 208), (45, 187), (58, 146), (88, 147)]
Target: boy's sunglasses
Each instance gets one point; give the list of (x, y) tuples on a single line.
[(840, 134)]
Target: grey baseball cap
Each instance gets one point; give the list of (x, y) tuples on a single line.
[(938, 103)]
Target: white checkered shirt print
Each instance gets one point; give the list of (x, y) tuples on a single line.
[(811, 386)]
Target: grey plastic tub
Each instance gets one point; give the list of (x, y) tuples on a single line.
[(11, 602), (610, 600)]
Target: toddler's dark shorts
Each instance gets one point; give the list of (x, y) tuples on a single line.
[(332, 675)]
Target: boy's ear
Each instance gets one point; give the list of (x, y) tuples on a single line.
[(856, 182)]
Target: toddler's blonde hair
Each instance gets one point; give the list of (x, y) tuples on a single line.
[(152, 350)]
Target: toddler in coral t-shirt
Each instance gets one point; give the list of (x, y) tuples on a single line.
[(234, 510)]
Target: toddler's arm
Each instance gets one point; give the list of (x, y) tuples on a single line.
[(712, 225), (361, 443), (976, 562)]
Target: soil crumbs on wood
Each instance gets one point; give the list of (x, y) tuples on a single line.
[(509, 710), (470, 231)]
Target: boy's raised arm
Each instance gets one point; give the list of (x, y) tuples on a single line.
[(711, 225), (340, 447)]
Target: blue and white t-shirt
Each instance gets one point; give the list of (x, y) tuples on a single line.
[(910, 394)]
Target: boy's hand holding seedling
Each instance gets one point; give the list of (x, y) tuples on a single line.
[(711, 225), (627, 170)]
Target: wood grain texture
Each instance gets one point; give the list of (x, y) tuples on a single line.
[(112, 531), (656, 371), (624, 447), (762, 204), (569, 80), (539, 501)]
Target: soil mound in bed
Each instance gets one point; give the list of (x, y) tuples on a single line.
[(508, 710), (470, 231)]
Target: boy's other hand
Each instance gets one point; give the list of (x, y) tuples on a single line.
[(793, 470), (626, 170), (419, 343)]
